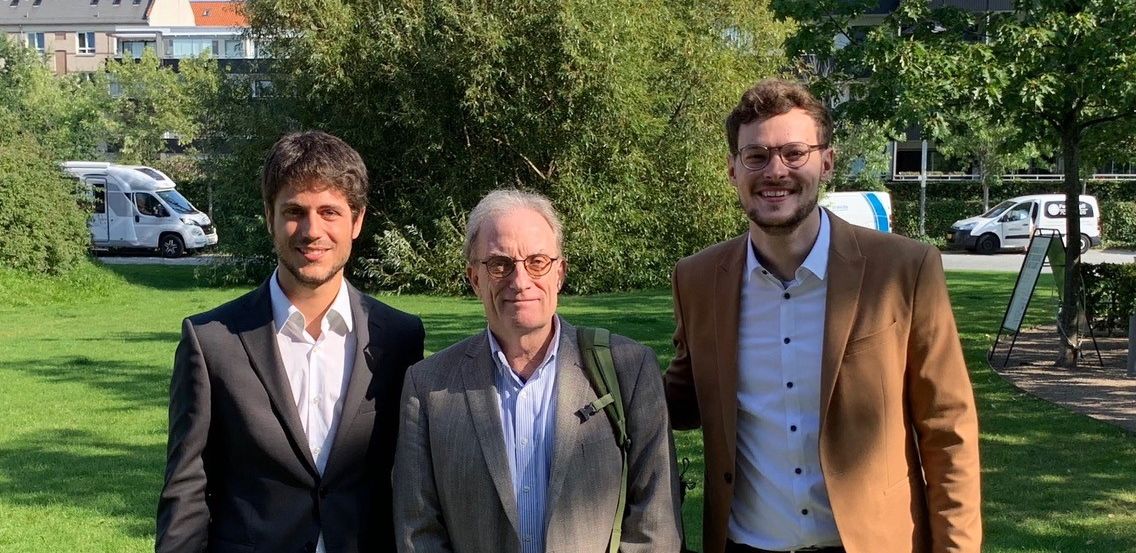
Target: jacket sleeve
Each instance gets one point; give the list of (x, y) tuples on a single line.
[(418, 523), (183, 514), (653, 518), (681, 398), (941, 402)]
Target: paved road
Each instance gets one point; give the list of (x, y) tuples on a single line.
[(1012, 262), (143, 259)]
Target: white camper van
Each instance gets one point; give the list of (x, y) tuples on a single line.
[(140, 207), (1010, 224), (865, 209)]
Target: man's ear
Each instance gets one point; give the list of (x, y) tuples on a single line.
[(357, 223), (268, 218), (471, 277)]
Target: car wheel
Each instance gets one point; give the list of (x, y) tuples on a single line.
[(1086, 243), (171, 246), (986, 245)]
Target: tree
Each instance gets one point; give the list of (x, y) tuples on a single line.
[(42, 121), (150, 100), (1055, 69), (613, 109), (995, 149), (861, 156)]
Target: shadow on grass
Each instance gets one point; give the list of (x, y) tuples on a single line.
[(160, 277), (135, 385), (79, 469)]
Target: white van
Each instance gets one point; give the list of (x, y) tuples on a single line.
[(139, 207), (866, 209), (1010, 224)]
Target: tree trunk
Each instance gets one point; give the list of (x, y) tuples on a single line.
[(1070, 302)]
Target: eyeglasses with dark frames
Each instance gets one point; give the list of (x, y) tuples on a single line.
[(501, 266), (793, 155)]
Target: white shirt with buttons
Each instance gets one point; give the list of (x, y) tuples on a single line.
[(318, 369), (780, 502)]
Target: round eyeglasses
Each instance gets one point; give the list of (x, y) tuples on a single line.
[(793, 155), (501, 266)]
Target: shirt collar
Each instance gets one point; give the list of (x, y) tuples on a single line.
[(285, 315), (816, 262), (502, 363)]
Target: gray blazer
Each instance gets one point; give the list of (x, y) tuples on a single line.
[(452, 487)]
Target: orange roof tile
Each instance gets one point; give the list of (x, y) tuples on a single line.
[(219, 14)]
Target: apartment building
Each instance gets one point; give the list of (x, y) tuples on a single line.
[(79, 36)]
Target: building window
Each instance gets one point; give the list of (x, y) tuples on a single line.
[(14, 3), (189, 47), (234, 49), (134, 48), (86, 43), (36, 3), (94, 2), (35, 40)]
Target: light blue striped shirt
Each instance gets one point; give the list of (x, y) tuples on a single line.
[(528, 419)]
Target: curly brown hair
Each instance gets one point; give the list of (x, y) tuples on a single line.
[(771, 97)]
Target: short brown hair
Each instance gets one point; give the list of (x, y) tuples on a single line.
[(314, 159), (771, 97)]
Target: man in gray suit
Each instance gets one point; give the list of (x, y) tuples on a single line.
[(283, 402), (494, 454)]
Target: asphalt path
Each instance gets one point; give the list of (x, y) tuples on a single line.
[(952, 260)]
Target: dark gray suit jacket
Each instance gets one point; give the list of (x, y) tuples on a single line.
[(453, 490), (239, 475)]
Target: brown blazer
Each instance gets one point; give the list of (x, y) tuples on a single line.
[(899, 432)]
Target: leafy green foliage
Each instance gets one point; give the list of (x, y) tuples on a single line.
[(42, 227), (1118, 223), (612, 109), (1110, 296), (861, 156)]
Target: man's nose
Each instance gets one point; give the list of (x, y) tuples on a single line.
[(520, 278)]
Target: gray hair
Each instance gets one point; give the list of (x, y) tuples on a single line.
[(500, 202)]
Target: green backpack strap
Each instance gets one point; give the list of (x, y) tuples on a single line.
[(595, 348)]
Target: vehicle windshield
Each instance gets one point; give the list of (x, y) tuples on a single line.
[(177, 201), (998, 209)]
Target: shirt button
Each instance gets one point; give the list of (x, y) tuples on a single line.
[(793, 428), (528, 539), (787, 340), (316, 451), (804, 511), (788, 384), (797, 470), (786, 296), (316, 400), (524, 441), (526, 489)]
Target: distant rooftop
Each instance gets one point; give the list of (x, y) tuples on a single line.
[(102, 12), (218, 14)]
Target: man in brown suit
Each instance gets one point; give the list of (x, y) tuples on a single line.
[(822, 363)]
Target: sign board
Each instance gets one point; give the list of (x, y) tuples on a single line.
[(1027, 280)]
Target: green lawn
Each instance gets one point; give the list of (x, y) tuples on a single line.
[(84, 369)]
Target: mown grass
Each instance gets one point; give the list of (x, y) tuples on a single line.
[(84, 369)]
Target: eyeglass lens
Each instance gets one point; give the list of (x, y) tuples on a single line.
[(501, 266), (793, 154)]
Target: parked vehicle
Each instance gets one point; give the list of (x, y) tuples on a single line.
[(140, 207), (866, 209), (1010, 224)]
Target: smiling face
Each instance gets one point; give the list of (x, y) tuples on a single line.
[(778, 199), (312, 228), (518, 304)]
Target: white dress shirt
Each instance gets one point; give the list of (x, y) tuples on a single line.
[(528, 420), (780, 502), (318, 369)]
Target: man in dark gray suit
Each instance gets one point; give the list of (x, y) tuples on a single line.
[(493, 453), (283, 402)]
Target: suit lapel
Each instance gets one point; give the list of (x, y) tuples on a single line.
[(845, 280), (572, 392), (728, 291), (362, 369), (259, 340), (485, 412)]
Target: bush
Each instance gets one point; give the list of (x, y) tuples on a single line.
[(1110, 296), (42, 227), (408, 261), (1118, 224)]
